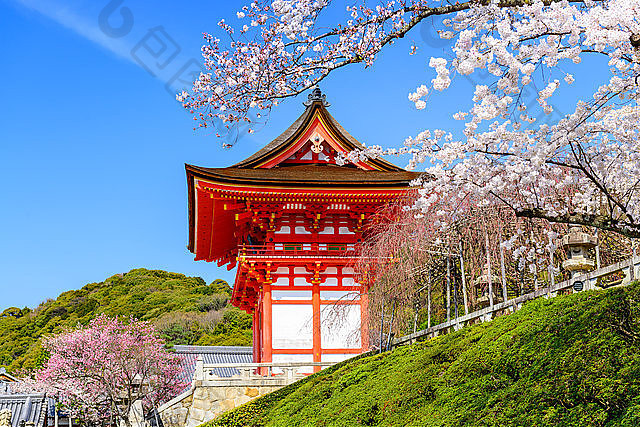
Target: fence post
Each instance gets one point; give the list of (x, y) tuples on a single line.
[(632, 267), (449, 289), (598, 250), (429, 300), (198, 375), (486, 240), (464, 281), (381, 324), (504, 278)]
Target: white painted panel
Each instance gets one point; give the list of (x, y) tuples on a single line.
[(283, 281), (345, 230), (300, 270), (347, 270), (308, 155), (300, 281), (284, 358), (285, 229), (348, 281), (289, 295), (331, 270), (340, 295), (331, 281), (301, 230), (282, 270), (327, 230), (340, 326), (292, 326)]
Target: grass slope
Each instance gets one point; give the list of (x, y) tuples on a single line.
[(566, 361), (185, 310)]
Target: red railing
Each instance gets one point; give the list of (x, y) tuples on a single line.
[(298, 250)]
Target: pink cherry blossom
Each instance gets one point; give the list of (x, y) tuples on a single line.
[(582, 167), (101, 369)]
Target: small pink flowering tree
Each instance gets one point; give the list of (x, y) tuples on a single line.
[(102, 369)]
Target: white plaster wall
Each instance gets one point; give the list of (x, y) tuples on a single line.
[(292, 326), (340, 326)]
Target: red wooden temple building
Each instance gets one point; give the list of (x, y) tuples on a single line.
[(290, 220)]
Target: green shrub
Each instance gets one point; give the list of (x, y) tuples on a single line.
[(213, 302), (565, 361)]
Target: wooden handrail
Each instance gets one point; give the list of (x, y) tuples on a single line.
[(589, 280), (266, 365)]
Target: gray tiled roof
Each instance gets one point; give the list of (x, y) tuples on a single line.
[(25, 407), (5, 388), (212, 354)]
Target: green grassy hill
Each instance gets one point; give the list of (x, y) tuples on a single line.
[(184, 309), (566, 361)]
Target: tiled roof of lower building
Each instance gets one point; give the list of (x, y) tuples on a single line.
[(212, 354), (25, 407)]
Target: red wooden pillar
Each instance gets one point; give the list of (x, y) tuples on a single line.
[(267, 346), (257, 330), (317, 341)]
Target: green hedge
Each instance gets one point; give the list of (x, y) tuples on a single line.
[(566, 361)]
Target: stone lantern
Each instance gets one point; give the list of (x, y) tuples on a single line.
[(576, 245), (482, 283), (5, 417)]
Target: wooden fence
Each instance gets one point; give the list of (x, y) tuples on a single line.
[(630, 268)]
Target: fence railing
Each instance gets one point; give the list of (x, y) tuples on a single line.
[(266, 373), (630, 268)]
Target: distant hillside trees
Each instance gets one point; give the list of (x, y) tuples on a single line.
[(184, 310)]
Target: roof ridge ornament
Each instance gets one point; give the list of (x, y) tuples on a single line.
[(316, 96)]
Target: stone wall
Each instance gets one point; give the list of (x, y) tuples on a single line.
[(204, 402)]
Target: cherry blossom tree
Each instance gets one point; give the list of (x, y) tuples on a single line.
[(101, 370), (582, 168), (429, 273)]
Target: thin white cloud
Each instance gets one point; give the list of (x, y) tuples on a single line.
[(81, 25)]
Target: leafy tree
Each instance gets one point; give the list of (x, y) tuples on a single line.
[(12, 312), (184, 309)]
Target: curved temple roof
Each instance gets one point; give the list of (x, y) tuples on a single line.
[(306, 175), (316, 107), (302, 157)]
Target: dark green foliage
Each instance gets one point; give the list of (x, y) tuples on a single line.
[(166, 299), (213, 302), (12, 312), (566, 361)]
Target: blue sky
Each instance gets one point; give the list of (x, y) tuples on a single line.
[(93, 143)]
